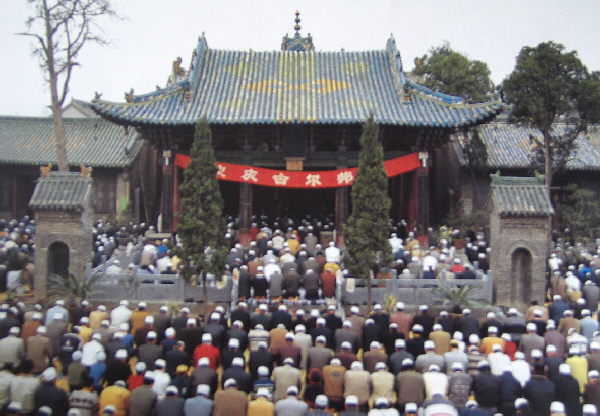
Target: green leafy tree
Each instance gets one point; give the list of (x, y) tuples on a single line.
[(550, 85), (580, 212), (368, 229), (60, 29), (453, 73), (201, 225)]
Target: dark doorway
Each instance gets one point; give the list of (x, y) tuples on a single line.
[(520, 286), (293, 203), (58, 259)]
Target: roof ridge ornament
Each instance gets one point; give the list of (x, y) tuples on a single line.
[(297, 43)]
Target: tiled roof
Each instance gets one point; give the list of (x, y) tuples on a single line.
[(509, 146), (520, 197), (91, 142), (230, 87), (64, 191)]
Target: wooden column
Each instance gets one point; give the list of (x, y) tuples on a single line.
[(423, 193), (245, 212), (166, 194)]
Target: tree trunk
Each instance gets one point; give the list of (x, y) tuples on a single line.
[(55, 104), (475, 192), (548, 162)]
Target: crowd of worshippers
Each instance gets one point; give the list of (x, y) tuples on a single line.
[(275, 361), (16, 249)]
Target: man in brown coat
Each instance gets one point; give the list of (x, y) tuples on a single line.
[(333, 383), (289, 350), (375, 355), (410, 387), (402, 319), (230, 401), (346, 333), (39, 350), (531, 341)]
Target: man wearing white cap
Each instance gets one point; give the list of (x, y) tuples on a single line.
[(425, 319), (203, 374), (304, 342), (590, 410), (520, 369), (382, 382), (358, 322), (436, 382), (58, 308), (332, 253), (319, 355), (402, 319), (568, 322), (553, 337), (441, 339), (39, 350), (162, 321), (467, 324), (291, 406), (333, 383), (12, 348), (531, 341), (201, 404), (579, 367), (424, 361), (116, 395), (238, 373), (48, 394), (261, 405), (498, 360), (121, 314), (375, 355), (588, 324), (459, 385), (208, 350), (486, 388), (285, 376), (138, 316), (567, 390), (357, 382), (455, 355), (97, 316), (346, 333)]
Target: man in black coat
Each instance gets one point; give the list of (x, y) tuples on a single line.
[(467, 324), (567, 390), (48, 394), (260, 358), (281, 316), (240, 313), (424, 319), (321, 329), (539, 391), (236, 372), (237, 332), (486, 388)]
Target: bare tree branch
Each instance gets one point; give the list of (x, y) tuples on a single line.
[(60, 29)]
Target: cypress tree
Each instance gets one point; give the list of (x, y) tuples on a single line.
[(367, 230), (201, 225)]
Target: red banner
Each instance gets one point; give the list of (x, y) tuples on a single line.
[(301, 179)]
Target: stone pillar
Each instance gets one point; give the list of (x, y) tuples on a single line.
[(341, 211), (166, 194), (423, 193), (245, 212)]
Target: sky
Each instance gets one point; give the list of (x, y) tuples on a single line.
[(143, 46)]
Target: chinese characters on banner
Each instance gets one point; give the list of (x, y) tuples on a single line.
[(301, 179)]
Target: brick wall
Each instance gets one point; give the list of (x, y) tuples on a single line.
[(509, 235), (69, 227)]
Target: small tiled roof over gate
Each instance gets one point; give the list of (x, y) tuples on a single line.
[(520, 197), (62, 191)]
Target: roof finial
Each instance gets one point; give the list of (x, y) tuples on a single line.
[(297, 20)]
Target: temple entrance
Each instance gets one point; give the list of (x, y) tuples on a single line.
[(58, 259), (520, 286), (293, 203)]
